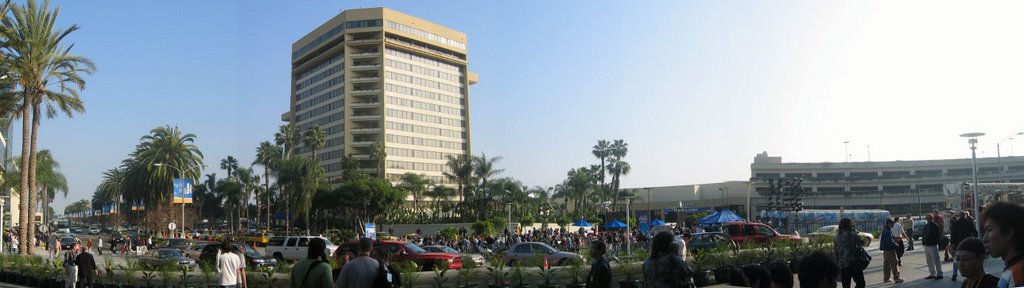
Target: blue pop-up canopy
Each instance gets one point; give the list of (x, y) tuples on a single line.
[(657, 222), (616, 224), (721, 217), (581, 223)]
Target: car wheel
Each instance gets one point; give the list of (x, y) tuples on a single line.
[(278, 256)]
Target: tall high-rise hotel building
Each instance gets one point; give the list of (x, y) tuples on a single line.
[(378, 75)]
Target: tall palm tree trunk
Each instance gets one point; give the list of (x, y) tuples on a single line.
[(266, 178), (32, 174), (23, 220)]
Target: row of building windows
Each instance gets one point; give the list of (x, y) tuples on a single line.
[(406, 165), (320, 99), (423, 71), (428, 61), (340, 57), (434, 179), (425, 34), (423, 94), (332, 142), (426, 130), (425, 118), (320, 110), (323, 86), (340, 68), (424, 106), (889, 174), (413, 153), (391, 138), (322, 121), (423, 82), (335, 31), (334, 129), (889, 188)]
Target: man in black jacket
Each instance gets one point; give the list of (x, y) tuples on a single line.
[(963, 227), (86, 269), (930, 241), (600, 273)]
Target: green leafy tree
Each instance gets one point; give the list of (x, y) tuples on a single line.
[(302, 178), (414, 184), (266, 154), (379, 153), (371, 197), (602, 151), (617, 167), (48, 75), (460, 170), (287, 137), (315, 138), (146, 181), (230, 164)]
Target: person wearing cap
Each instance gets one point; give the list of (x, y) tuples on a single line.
[(887, 245), (970, 256)]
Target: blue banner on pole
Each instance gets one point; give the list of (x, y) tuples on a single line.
[(643, 218), (182, 191)]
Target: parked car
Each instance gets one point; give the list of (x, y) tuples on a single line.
[(116, 238), (741, 232), (194, 250), (67, 242), (64, 231), (402, 251), (829, 232), (524, 251), (253, 258), (180, 244), (260, 238), (294, 247), (466, 257), (155, 259), (706, 241), (94, 230)]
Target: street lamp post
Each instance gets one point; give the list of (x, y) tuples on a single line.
[(972, 139), (998, 153), (629, 234), (2, 203)]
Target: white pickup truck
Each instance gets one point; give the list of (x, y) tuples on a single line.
[(294, 247)]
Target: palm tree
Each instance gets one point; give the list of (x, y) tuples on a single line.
[(111, 187), (249, 184), (287, 137), (617, 150), (302, 178), (164, 145), (460, 171), (315, 138), (415, 184), (50, 180), (618, 168), (602, 150), (266, 154), (379, 153), (483, 168), (230, 164), (440, 195), (48, 75)]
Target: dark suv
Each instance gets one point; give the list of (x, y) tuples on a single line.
[(253, 258), (741, 232)]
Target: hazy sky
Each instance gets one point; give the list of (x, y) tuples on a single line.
[(695, 88)]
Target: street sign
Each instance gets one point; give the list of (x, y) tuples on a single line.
[(171, 226), (371, 231)]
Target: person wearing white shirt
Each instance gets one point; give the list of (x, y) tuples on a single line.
[(228, 266), (900, 236)]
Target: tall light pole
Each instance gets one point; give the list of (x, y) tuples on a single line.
[(509, 205), (999, 156), (650, 214), (846, 150), (2, 203), (723, 190), (972, 139)]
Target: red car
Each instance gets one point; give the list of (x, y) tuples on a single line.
[(403, 250), (741, 232)]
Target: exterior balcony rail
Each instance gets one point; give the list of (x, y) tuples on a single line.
[(366, 54), (365, 66), (366, 130), (361, 104), (361, 156), (362, 143), (364, 40), (425, 48), (365, 79), (365, 116), (365, 90)]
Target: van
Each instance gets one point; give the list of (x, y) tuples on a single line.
[(294, 247)]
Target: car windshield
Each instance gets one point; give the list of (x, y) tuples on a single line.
[(177, 242), (67, 241), (826, 229), (169, 253), (451, 250), (412, 247)]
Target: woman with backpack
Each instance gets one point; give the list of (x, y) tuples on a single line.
[(847, 248)]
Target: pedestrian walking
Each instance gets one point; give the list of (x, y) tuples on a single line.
[(930, 241), (888, 246), (600, 274), (70, 268), (963, 228), (99, 247), (360, 272), (1002, 221), (665, 268), (228, 266), (86, 268), (846, 246), (901, 238), (908, 225), (970, 255)]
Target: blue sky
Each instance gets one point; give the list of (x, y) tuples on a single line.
[(696, 88)]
